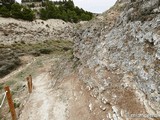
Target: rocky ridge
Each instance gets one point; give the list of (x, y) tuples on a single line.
[(12, 30), (120, 56)]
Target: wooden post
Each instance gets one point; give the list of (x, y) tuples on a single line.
[(31, 85), (10, 103)]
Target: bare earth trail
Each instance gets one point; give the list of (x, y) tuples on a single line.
[(46, 102), (66, 98), (57, 94), (41, 104)]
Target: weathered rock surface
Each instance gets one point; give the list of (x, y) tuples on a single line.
[(17, 30), (120, 56)]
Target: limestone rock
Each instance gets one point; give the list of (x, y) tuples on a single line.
[(123, 44)]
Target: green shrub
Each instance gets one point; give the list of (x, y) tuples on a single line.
[(45, 51), (16, 105), (64, 10), (4, 11), (17, 11), (27, 14), (21, 12)]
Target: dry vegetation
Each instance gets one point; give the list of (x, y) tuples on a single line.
[(9, 54), (46, 51)]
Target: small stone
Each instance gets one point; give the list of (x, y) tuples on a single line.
[(88, 88), (102, 108), (90, 107), (104, 100)]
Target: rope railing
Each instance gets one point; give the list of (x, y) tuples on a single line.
[(5, 93), (8, 94)]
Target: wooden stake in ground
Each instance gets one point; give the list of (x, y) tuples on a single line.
[(10, 103), (29, 85)]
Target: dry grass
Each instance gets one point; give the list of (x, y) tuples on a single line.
[(9, 54)]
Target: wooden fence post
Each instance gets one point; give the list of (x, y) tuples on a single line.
[(28, 83), (31, 85), (10, 103)]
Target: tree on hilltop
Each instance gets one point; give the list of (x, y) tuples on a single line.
[(65, 10)]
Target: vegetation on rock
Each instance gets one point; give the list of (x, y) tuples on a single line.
[(9, 54)]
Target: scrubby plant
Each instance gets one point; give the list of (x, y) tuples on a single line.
[(65, 10), (4, 12), (17, 11)]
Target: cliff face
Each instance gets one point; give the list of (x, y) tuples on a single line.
[(120, 55)]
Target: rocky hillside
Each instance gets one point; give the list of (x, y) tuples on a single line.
[(12, 30), (120, 56), (116, 56), (20, 38)]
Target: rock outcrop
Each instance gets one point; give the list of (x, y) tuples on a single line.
[(120, 55)]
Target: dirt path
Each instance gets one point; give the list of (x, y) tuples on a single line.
[(42, 103), (63, 98)]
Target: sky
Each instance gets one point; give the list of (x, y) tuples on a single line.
[(95, 6)]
